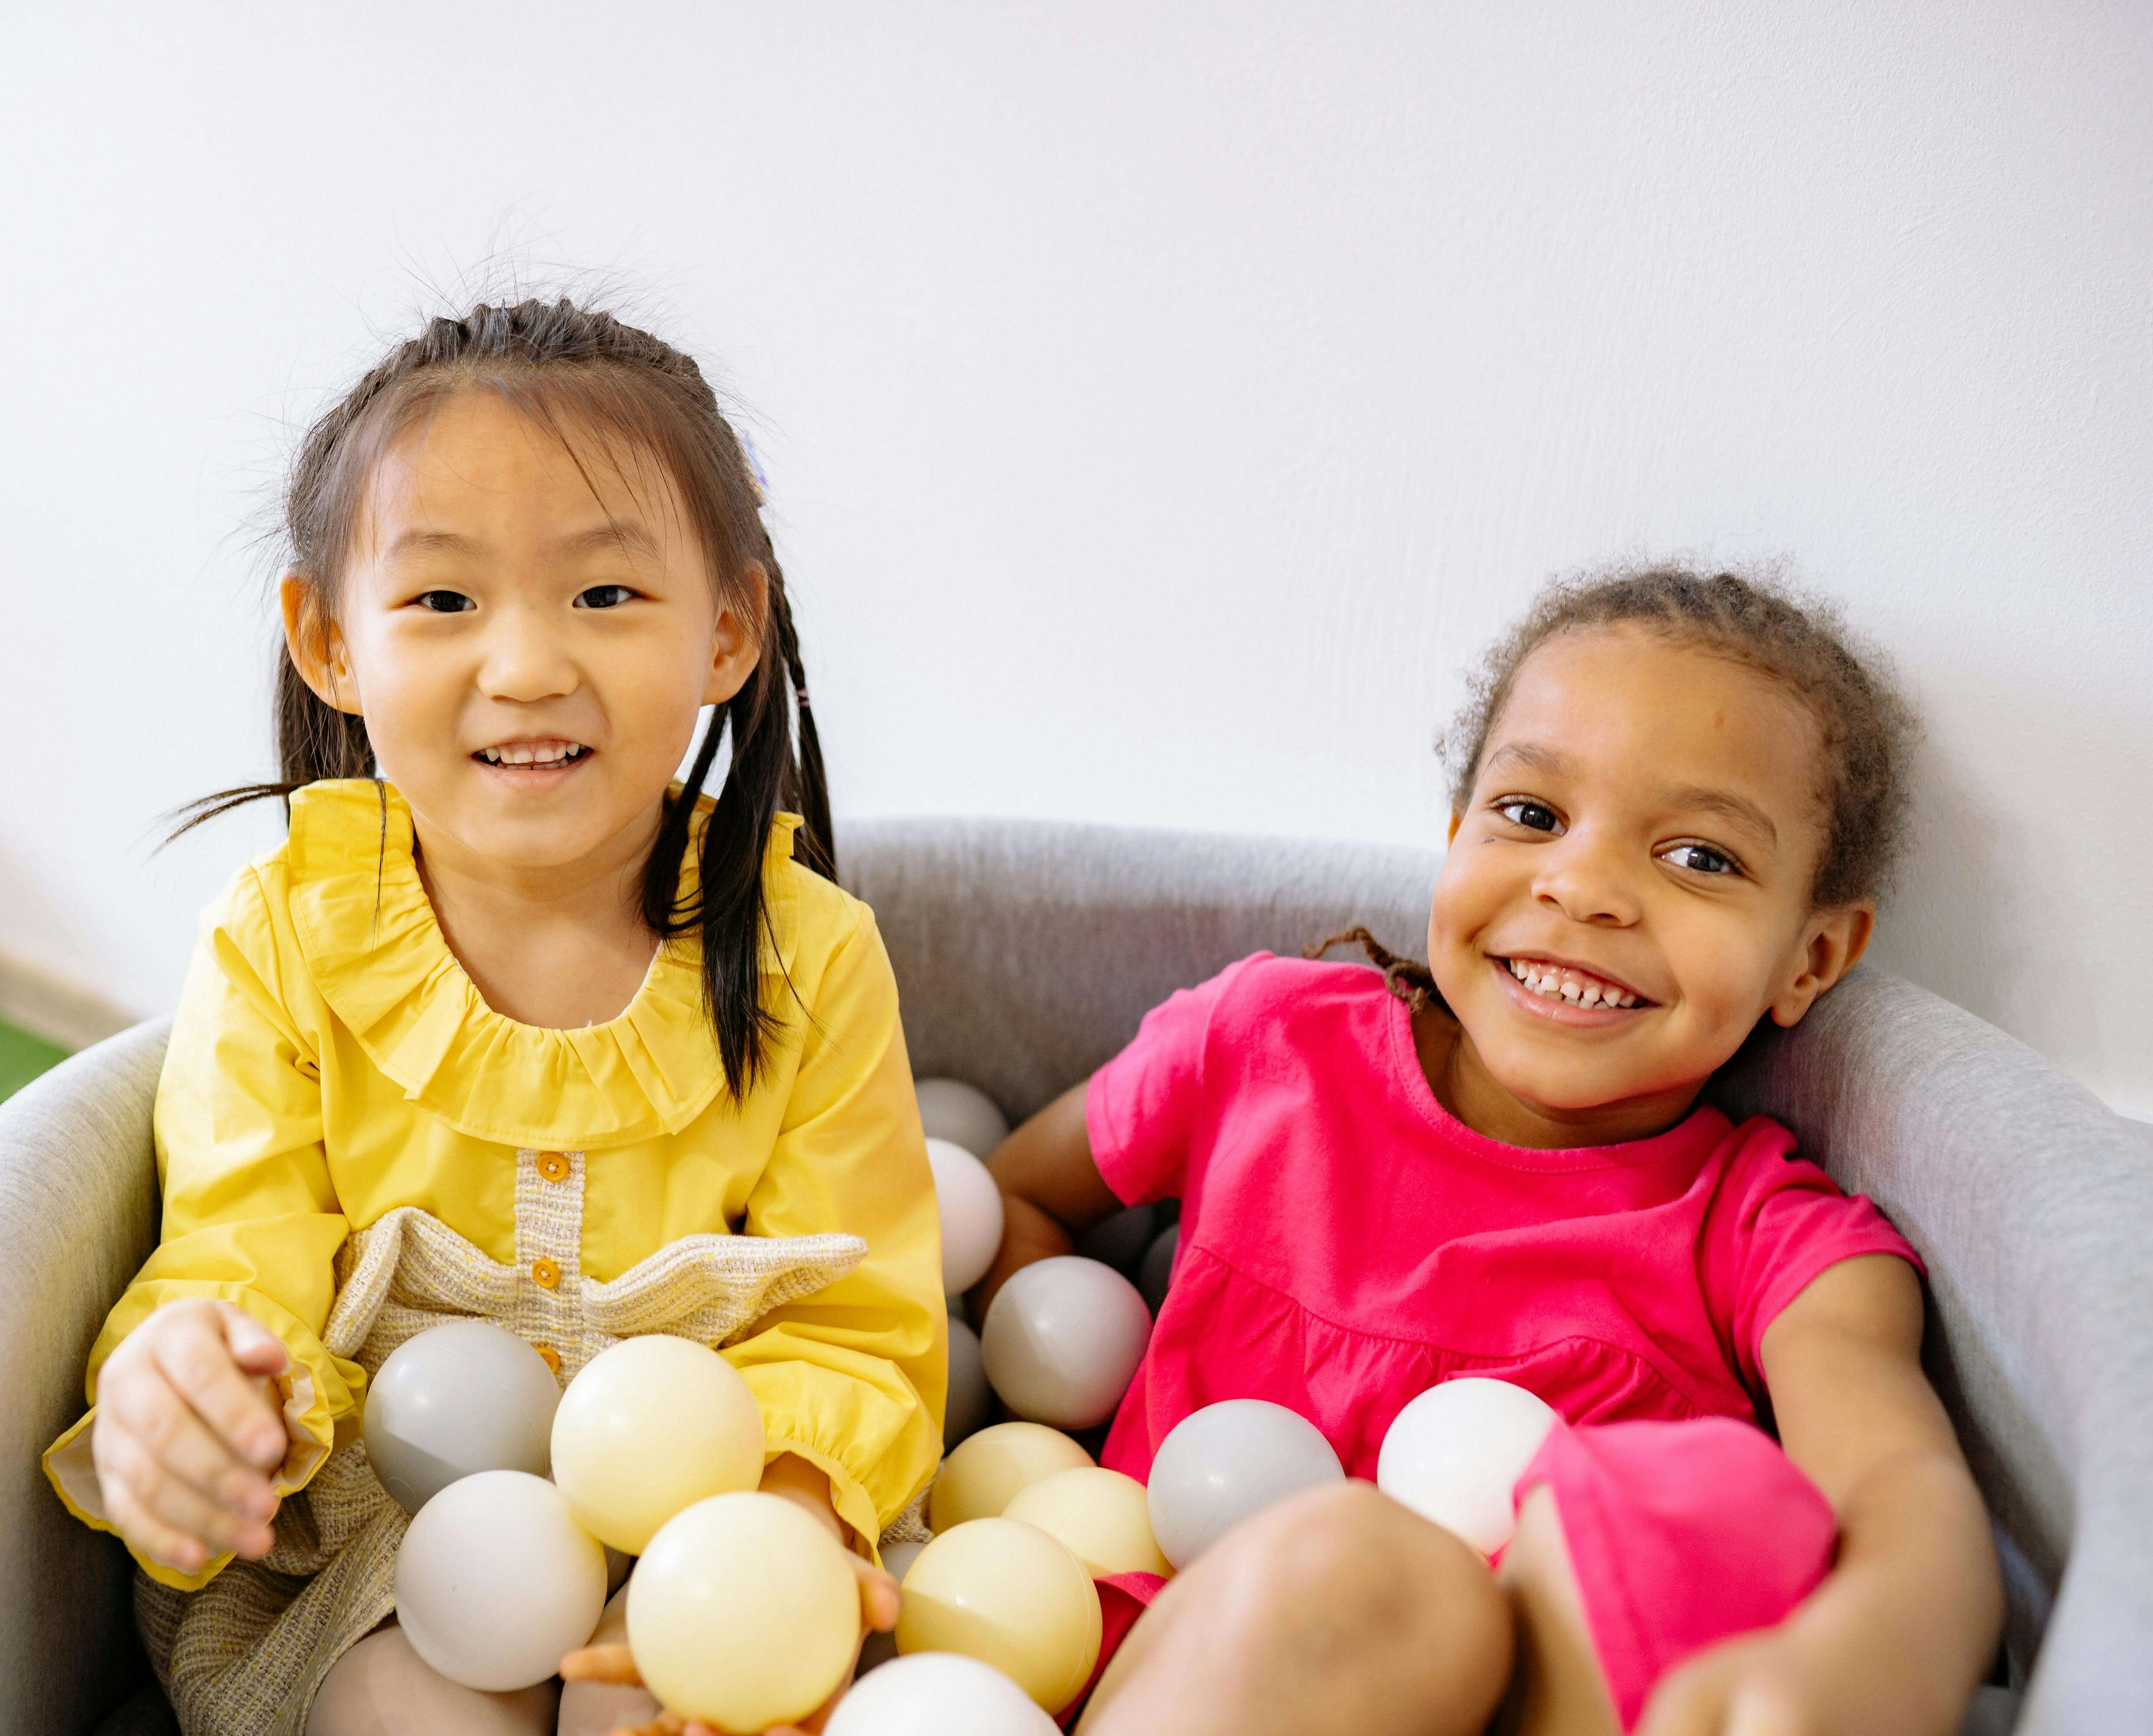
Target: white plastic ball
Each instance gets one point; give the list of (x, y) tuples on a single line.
[(971, 1207), (1156, 1275), (969, 1401), (495, 1583), (963, 1114), (1223, 1463), (1453, 1454), (744, 1612), (938, 1693), (1063, 1339), (454, 1400), (650, 1427)]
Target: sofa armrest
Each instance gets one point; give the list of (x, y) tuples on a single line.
[(78, 1217), (2032, 1205)]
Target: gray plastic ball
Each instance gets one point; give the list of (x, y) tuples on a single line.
[(963, 1114), (1227, 1461), (1063, 1340), (456, 1400), (1156, 1273), (1120, 1241), (970, 1398)]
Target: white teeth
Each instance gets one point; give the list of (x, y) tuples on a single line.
[(523, 754), (1589, 995), (1547, 979)]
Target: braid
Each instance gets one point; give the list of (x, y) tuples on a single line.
[(1412, 981)]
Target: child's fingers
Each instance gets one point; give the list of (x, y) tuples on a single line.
[(152, 1536), (879, 1598), (613, 1665), (253, 1346), (151, 1414), (196, 1361), (129, 1464)]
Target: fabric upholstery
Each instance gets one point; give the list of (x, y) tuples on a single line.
[(78, 1214), (1026, 954)]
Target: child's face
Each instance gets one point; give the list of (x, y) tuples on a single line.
[(1644, 831), (529, 641)]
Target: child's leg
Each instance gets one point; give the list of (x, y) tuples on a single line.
[(1560, 1689), (382, 1687), (595, 1708), (1337, 1612)]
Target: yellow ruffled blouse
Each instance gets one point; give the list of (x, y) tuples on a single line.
[(330, 1062)]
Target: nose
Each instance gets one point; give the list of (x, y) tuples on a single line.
[(1586, 877), (525, 661)]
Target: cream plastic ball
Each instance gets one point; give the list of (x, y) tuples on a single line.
[(743, 1612), (495, 1582), (983, 1476), (1454, 1453), (1011, 1596), (963, 1114), (971, 1207), (464, 1396), (969, 1400), (650, 1427), (938, 1693), (1103, 1516), (1062, 1341), (1220, 1464)]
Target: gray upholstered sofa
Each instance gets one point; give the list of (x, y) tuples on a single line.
[(1026, 954)]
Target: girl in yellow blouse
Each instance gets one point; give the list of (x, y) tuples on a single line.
[(511, 1026)]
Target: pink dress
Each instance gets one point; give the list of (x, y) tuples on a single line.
[(1346, 1243)]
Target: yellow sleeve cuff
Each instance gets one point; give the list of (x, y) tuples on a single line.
[(854, 1505)]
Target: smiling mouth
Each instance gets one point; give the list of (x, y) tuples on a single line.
[(534, 756), (1567, 984)]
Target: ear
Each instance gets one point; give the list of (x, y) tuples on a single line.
[(1832, 944), (1457, 819), (317, 645), (736, 640)]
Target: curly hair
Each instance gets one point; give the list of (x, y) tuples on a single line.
[(1801, 642)]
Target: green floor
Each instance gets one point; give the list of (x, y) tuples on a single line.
[(23, 1057)]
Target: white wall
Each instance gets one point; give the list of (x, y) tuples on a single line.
[(1162, 404)]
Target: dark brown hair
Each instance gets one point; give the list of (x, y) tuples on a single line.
[(564, 365), (1866, 728)]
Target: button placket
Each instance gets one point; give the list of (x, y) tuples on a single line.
[(549, 1235)]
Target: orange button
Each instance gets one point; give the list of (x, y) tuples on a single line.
[(549, 1356), (545, 1274), (552, 1166)]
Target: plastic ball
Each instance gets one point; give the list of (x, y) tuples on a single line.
[(963, 1114), (455, 1400), (1102, 1515), (1062, 1341), (971, 1207), (1156, 1273), (650, 1427), (1453, 1454), (743, 1612), (969, 1401), (1226, 1461), (1120, 1241), (982, 1477), (1011, 1596), (938, 1693), (495, 1582)]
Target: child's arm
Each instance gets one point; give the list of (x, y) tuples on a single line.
[(1901, 1631), (1051, 1191)]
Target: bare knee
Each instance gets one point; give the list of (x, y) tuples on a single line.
[(383, 1688), (1347, 1565)]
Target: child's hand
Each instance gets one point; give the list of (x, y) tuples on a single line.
[(185, 1434), (1759, 1684), (612, 1664)]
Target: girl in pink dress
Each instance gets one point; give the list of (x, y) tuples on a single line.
[(1677, 798)]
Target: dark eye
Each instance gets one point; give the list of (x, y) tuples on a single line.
[(444, 602), (1701, 859), (603, 597), (1533, 816)]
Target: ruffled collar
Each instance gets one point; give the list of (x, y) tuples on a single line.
[(374, 948)]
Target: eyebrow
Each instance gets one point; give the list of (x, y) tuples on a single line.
[(1696, 798), (625, 534)]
